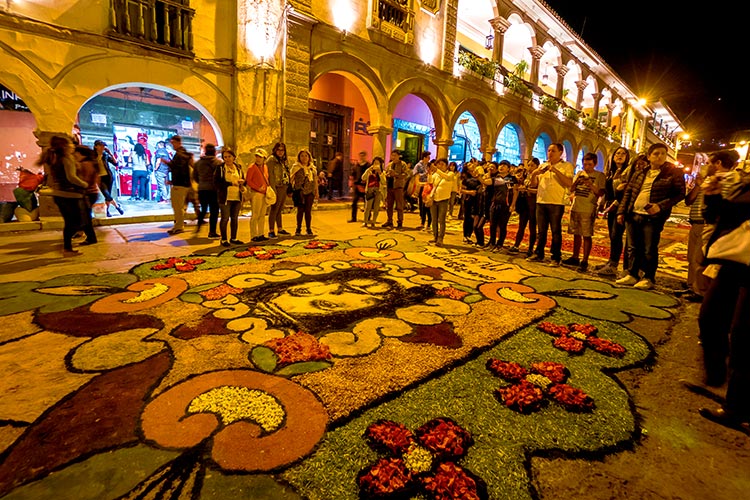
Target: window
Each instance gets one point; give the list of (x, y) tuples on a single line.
[(394, 18), (508, 146), (158, 23)]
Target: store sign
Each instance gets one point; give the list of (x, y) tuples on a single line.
[(10, 101)]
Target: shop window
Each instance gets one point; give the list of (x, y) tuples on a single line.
[(166, 24), (394, 18)]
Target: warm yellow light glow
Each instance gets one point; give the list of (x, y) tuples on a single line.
[(742, 149), (343, 14), (685, 136), (428, 46), (642, 101), (264, 27)]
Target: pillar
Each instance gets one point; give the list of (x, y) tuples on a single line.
[(380, 143), (499, 25), (581, 84), (295, 117), (561, 71), (442, 147), (597, 99), (536, 55)]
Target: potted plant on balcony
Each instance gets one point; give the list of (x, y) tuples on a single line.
[(571, 113), (514, 81), (549, 102), (480, 65)]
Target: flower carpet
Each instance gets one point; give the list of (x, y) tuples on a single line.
[(373, 367)]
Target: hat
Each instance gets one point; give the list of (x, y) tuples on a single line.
[(261, 152)]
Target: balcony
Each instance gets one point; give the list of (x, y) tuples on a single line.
[(393, 18), (160, 24)]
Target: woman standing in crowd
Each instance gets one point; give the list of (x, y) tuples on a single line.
[(525, 205), (88, 170), (67, 188), (374, 179), (104, 159), (278, 178), (615, 173), (452, 167), (257, 181), (443, 182), (230, 184), (503, 195), (304, 189), (470, 188)]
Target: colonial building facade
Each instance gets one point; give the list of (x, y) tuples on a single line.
[(462, 78)]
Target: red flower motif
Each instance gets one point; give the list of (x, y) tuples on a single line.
[(179, 264), (452, 293), (298, 347), (259, 253), (319, 245), (219, 292), (423, 462), (543, 379), (575, 337)]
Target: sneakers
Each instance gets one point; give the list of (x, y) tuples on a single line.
[(606, 270), (420, 227), (213, 236), (513, 249), (571, 261), (627, 280), (284, 232), (236, 242), (271, 235), (310, 232), (726, 418), (555, 263), (175, 230), (298, 232), (224, 243), (644, 284), (584, 267), (535, 258)]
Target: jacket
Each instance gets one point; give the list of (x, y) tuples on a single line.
[(204, 171), (180, 166), (278, 172), (667, 190)]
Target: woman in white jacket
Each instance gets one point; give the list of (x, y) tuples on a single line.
[(443, 181)]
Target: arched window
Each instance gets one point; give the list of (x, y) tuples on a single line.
[(508, 146)]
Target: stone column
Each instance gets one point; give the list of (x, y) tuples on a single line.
[(561, 71), (487, 153), (442, 147), (536, 55), (449, 35), (597, 99), (581, 84), (610, 110), (380, 143), (499, 25), (296, 116)]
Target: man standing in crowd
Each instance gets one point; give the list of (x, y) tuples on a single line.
[(203, 173), (555, 177), (333, 171), (180, 167), (357, 184), (587, 187), (645, 207), (421, 174), (395, 173), (161, 172)]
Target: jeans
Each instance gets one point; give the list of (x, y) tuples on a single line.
[(305, 212), (356, 196), (72, 213), (499, 217), (208, 203), (372, 207), (439, 211), (277, 209), (616, 232), (549, 216), (425, 213), (643, 244), (724, 322), (162, 188), (526, 215), (139, 189), (230, 213)]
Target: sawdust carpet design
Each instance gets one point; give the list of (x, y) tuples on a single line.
[(375, 367)]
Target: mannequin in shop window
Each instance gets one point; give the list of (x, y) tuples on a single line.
[(140, 173)]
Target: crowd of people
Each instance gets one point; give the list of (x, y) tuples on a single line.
[(635, 196)]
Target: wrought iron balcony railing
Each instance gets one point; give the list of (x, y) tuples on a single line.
[(164, 24), (394, 18)]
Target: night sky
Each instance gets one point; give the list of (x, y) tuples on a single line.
[(693, 58)]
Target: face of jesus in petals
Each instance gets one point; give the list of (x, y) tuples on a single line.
[(317, 297)]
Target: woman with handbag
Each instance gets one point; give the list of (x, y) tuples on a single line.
[(230, 184), (67, 188), (257, 181), (304, 186), (374, 179), (443, 181), (724, 318)]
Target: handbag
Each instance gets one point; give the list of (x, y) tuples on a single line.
[(733, 246), (270, 195)]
